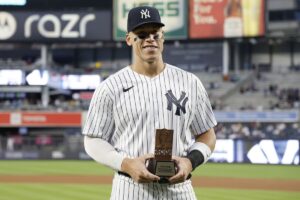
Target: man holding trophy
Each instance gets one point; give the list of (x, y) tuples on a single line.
[(151, 122)]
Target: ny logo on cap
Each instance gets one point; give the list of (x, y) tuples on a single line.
[(145, 14)]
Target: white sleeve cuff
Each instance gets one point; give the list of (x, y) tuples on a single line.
[(203, 148)]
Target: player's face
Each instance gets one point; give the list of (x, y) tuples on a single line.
[(147, 42)]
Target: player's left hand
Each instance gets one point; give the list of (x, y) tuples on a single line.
[(184, 167)]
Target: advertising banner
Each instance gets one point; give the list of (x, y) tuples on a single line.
[(285, 152), (173, 14), (40, 119), (257, 116), (18, 26), (226, 18), (4, 118), (224, 151), (279, 152)]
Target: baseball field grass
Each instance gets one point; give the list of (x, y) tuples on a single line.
[(44, 180)]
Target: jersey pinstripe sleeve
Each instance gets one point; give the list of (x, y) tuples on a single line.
[(100, 121), (204, 118)]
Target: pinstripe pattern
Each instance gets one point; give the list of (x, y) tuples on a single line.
[(150, 191), (128, 120)]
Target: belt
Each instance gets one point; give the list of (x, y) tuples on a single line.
[(161, 181)]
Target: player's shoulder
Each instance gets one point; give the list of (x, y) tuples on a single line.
[(115, 76), (110, 82)]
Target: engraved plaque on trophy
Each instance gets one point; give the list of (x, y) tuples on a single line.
[(162, 164)]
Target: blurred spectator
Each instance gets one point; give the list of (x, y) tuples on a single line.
[(43, 140), (14, 142), (257, 130), (10, 144)]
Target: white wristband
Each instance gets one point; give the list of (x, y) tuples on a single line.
[(203, 148)]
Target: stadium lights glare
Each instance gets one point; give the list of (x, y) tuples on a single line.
[(12, 2)]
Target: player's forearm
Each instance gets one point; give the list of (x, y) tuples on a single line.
[(202, 149), (208, 138), (103, 152)]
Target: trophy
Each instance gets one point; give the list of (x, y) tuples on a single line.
[(162, 164)]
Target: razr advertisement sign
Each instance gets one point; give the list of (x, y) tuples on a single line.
[(54, 26)]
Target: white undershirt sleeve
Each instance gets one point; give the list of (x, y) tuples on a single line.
[(103, 152)]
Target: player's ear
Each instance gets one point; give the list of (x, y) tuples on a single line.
[(163, 35), (128, 39)]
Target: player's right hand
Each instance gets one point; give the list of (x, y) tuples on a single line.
[(136, 168)]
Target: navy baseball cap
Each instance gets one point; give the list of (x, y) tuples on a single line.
[(139, 16)]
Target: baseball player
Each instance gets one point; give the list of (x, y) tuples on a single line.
[(128, 107)]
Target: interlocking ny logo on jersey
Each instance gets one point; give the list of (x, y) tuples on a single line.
[(177, 102), (145, 14)]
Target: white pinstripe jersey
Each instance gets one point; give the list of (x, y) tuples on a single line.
[(128, 107)]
